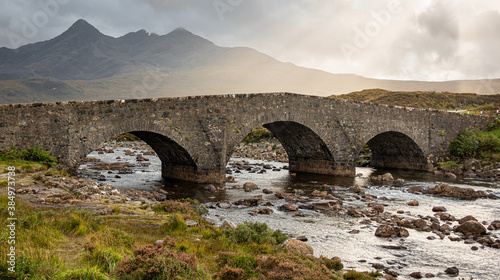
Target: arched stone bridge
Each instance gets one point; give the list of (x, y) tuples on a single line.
[(195, 136)]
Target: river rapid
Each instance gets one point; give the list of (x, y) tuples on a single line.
[(330, 233)]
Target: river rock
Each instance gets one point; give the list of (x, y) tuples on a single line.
[(288, 207), (452, 271), (413, 203), (387, 177), (450, 175), (302, 238), (494, 225), (416, 275), (377, 207), (466, 218), (299, 247), (267, 191), (384, 230), (254, 201), (446, 190), (317, 193), (250, 186), (228, 225), (415, 189), (439, 209), (471, 227), (420, 223), (210, 188), (111, 166), (191, 223), (472, 164), (265, 211)]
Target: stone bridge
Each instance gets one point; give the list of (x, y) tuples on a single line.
[(195, 136)]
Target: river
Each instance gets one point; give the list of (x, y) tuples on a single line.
[(328, 232)]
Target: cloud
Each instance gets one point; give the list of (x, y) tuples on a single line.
[(426, 40)]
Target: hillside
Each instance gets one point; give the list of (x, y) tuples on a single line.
[(428, 99), (89, 65)]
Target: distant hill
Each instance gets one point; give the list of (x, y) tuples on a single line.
[(428, 99), (85, 64)]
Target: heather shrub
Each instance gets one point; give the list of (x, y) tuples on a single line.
[(258, 233), (292, 266), (237, 265), (155, 263)]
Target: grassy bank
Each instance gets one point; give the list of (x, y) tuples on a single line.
[(428, 99), (57, 243), (75, 244)]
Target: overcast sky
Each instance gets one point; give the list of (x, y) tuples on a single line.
[(390, 39)]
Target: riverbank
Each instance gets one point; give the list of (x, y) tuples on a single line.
[(78, 228)]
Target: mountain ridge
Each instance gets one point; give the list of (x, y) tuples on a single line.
[(97, 66)]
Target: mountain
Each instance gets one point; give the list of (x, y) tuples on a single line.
[(83, 64)]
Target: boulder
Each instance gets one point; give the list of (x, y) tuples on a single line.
[(384, 230), (466, 218), (472, 164), (417, 275), (413, 203), (452, 271), (228, 225), (420, 223), (254, 201), (299, 247), (446, 190), (471, 227), (387, 177), (288, 207), (450, 175), (210, 188), (250, 186), (439, 209)]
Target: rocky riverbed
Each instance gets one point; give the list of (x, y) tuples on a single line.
[(407, 225)]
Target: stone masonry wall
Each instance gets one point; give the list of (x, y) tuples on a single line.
[(195, 136)]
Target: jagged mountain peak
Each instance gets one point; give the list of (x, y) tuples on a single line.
[(82, 28)]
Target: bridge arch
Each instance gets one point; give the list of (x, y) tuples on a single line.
[(393, 149), (306, 149), (179, 161)]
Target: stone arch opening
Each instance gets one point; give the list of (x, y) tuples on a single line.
[(396, 150), (307, 152), (175, 161)]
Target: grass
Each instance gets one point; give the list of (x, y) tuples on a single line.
[(27, 157), (482, 144), (428, 99), (75, 244)]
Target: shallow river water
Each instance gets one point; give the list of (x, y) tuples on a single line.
[(328, 232)]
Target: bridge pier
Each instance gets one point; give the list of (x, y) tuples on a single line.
[(321, 166), (192, 174)]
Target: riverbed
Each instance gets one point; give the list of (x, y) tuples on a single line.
[(328, 232)]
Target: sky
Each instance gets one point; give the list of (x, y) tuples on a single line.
[(427, 40)]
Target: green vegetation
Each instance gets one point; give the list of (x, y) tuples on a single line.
[(76, 244), (428, 99), (25, 158), (257, 135), (126, 137), (477, 144)]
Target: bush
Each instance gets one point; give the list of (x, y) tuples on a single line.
[(175, 222), (258, 233), (236, 266), (151, 262), (37, 154), (465, 146), (34, 154)]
